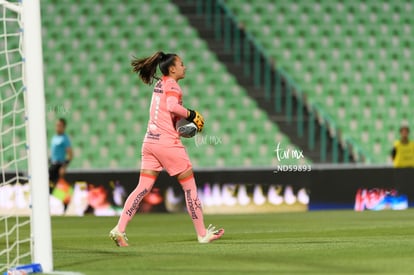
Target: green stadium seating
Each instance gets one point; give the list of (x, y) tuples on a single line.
[(353, 59), (87, 49)]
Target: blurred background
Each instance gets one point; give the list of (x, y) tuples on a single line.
[(303, 100), (332, 78)]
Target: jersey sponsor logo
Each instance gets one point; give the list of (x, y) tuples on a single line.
[(158, 88)]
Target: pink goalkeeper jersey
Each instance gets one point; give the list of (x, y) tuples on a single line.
[(161, 124)]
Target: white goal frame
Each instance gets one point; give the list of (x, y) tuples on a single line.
[(33, 82), (36, 127)]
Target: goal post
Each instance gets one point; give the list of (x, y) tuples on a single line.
[(23, 141), (36, 128)]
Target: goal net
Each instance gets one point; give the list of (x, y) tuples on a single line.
[(14, 230), (19, 239)]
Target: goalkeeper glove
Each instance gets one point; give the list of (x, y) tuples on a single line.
[(196, 118)]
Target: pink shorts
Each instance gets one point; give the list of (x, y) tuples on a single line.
[(173, 158)]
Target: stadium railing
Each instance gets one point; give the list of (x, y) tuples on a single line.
[(272, 79)]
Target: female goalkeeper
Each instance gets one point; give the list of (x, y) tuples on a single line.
[(162, 147)]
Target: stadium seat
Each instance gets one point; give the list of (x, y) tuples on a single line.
[(355, 59), (88, 46)]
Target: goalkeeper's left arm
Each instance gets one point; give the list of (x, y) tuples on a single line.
[(190, 115), (175, 108)]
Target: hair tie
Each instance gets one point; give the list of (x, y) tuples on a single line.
[(162, 56)]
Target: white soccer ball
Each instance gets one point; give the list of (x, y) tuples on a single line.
[(186, 128)]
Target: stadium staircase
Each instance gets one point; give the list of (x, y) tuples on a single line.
[(87, 49), (351, 60)]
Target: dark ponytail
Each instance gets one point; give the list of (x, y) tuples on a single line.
[(146, 67)]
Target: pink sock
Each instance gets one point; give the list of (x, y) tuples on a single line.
[(193, 204), (134, 199)]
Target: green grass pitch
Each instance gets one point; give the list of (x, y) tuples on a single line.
[(323, 242)]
